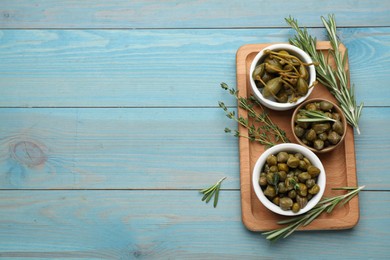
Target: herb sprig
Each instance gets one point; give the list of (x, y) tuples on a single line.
[(325, 205), (314, 116), (212, 191), (268, 133), (336, 80)]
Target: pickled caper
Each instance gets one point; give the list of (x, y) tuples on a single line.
[(299, 131), (334, 137), (292, 194), (285, 203), (282, 157), (270, 191), (311, 135), (304, 176), (302, 201), (263, 181), (338, 127), (313, 171), (295, 207), (314, 190), (271, 160), (310, 183), (302, 190), (318, 144), (326, 106), (293, 162), (283, 167)]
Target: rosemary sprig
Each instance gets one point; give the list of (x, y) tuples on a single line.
[(336, 80), (212, 191), (325, 205), (314, 116), (268, 133)]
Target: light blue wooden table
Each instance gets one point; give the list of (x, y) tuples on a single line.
[(110, 125)]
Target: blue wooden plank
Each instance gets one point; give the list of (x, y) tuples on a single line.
[(187, 14), (146, 148), (169, 225), (154, 68)]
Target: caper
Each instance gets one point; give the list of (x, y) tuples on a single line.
[(338, 127), (299, 131), (302, 86), (302, 165), (272, 87), (334, 137), (313, 171), (282, 175), (276, 200), (266, 77), (302, 190), (282, 157), (318, 144), (273, 66), (302, 201), (283, 167), (282, 187), (299, 156), (323, 136), (310, 183), (325, 106), (285, 203), (295, 207), (311, 106), (258, 72), (263, 181), (273, 168), (282, 97), (320, 128), (303, 72), (336, 116), (314, 190), (271, 160), (270, 178), (311, 135), (293, 162), (292, 194), (270, 191), (304, 176)]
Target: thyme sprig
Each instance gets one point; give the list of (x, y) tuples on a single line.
[(336, 80), (267, 133), (325, 205), (314, 116), (213, 190)]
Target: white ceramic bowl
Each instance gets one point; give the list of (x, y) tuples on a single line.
[(294, 148), (303, 56)]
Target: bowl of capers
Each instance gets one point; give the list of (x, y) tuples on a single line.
[(319, 124), (289, 179), (282, 76)]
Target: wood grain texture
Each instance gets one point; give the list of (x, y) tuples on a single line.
[(168, 225), (112, 148), (340, 164), (186, 14), (156, 68)]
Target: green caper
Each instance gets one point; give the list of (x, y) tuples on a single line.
[(293, 162), (273, 168), (271, 160), (325, 106), (313, 171), (302, 165), (320, 128), (311, 106), (338, 127), (311, 135), (282, 175), (270, 191), (258, 72), (299, 156), (334, 137), (272, 87), (263, 181), (336, 116), (302, 190), (282, 187), (270, 178), (299, 131), (283, 167), (282, 157), (323, 136), (318, 144), (276, 200), (295, 207), (292, 194), (285, 203), (304, 176), (302, 201), (314, 190), (310, 183)]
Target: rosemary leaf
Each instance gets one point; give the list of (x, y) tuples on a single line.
[(211, 191), (336, 80), (325, 205)]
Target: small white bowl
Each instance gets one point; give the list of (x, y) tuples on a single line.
[(303, 56), (295, 148)]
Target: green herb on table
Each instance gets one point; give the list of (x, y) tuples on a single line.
[(208, 193), (268, 133), (313, 116), (336, 80), (325, 205)]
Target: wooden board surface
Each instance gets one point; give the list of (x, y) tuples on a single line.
[(340, 164)]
